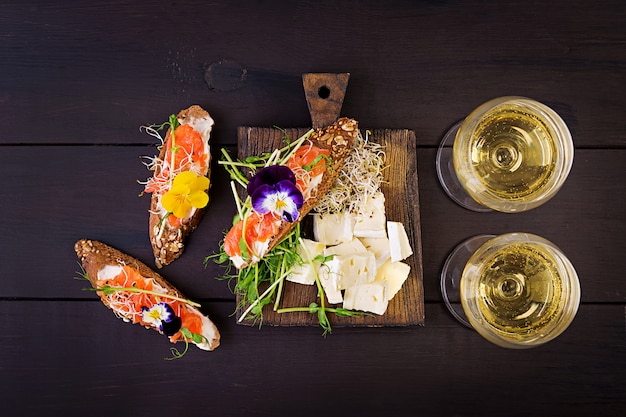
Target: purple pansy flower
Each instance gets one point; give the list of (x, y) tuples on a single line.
[(162, 316), (273, 190), (270, 175)]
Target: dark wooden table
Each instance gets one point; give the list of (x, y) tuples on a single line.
[(77, 81)]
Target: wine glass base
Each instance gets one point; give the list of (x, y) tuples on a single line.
[(452, 272), (447, 176)]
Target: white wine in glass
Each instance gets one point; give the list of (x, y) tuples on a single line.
[(518, 290), (511, 154)]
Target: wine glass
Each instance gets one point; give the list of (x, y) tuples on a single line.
[(518, 290), (511, 154)]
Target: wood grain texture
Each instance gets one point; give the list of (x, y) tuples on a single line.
[(92, 73), (324, 95), (585, 219), (91, 191), (400, 188), (98, 365), (79, 78)]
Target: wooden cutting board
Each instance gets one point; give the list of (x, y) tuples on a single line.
[(324, 93)]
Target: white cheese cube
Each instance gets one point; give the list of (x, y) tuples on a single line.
[(398, 242), (307, 271), (329, 273), (356, 269), (367, 297), (332, 229), (379, 246), (352, 264), (371, 220), (394, 274), (346, 248)]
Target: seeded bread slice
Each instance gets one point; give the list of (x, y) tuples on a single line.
[(338, 138), (95, 255), (168, 243)]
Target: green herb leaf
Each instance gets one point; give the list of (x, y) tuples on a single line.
[(176, 354), (108, 290), (173, 121), (316, 161)]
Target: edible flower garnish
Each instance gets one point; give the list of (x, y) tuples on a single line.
[(162, 316), (273, 190), (188, 190)]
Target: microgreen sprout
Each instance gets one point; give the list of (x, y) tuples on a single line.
[(273, 268), (187, 336), (359, 179), (322, 311), (173, 122), (109, 290)]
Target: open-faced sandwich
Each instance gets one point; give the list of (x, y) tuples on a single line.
[(285, 188), (139, 295), (180, 182), (353, 255)]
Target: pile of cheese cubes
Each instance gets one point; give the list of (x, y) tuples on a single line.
[(364, 254)]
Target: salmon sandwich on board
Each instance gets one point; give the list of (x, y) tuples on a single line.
[(326, 230)]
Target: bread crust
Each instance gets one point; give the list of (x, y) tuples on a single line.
[(168, 243), (95, 255)]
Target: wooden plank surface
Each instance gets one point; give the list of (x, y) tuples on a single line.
[(400, 188), (58, 195), (91, 73), (80, 197), (355, 371), (79, 78)]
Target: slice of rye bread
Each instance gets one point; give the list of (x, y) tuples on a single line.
[(95, 255), (338, 138), (169, 244)]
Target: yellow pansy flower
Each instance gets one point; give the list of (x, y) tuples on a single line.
[(188, 190)]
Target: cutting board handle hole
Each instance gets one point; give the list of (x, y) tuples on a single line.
[(323, 92)]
